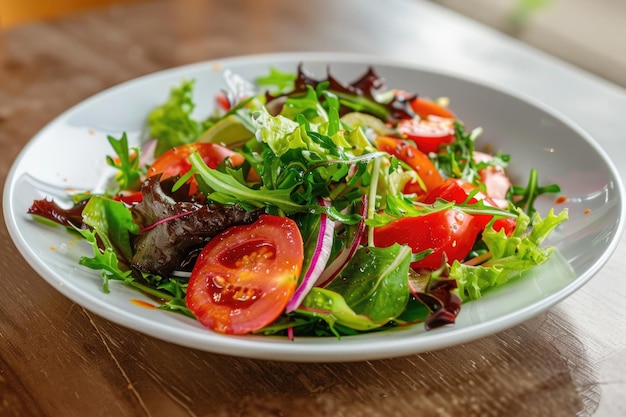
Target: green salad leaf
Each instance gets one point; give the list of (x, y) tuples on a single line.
[(129, 172), (172, 123), (510, 255), (370, 291), (113, 223)]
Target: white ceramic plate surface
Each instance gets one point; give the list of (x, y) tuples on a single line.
[(70, 153)]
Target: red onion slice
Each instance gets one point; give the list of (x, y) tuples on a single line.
[(344, 256), (318, 261)]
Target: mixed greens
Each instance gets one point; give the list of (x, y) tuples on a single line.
[(305, 206)]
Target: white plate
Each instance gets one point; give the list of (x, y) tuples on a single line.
[(70, 153)]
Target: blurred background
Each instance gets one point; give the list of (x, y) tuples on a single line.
[(19, 12), (588, 34)]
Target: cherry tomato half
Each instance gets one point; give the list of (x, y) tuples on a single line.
[(416, 159), (449, 232), (428, 134), (244, 277), (458, 190)]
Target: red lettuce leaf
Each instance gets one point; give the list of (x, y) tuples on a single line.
[(171, 230)]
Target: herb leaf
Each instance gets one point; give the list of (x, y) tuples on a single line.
[(127, 164)]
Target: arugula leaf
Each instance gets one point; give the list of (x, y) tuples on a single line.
[(129, 174), (529, 194), (104, 260), (177, 305), (227, 190), (457, 161)]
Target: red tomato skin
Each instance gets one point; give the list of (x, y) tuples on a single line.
[(428, 134), (506, 224), (416, 159), (457, 190), (449, 232), (129, 199), (244, 277), (433, 126), (176, 160)]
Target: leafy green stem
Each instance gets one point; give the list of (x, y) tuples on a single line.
[(530, 193)]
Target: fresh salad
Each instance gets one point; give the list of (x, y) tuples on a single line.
[(309, 207)]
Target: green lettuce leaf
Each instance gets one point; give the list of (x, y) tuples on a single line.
[(510, 255), (113, 223)]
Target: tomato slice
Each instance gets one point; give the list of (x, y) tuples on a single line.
[(416, 159), (458, 191), (449, 232), (244, 277), (428, 134)]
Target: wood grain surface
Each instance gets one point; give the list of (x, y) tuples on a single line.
[(58, 359)]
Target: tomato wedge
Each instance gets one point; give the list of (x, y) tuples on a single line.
[(449, 232), (458, 191), (244, 277), (416, 159)]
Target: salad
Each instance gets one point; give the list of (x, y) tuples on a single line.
[(309, 207)]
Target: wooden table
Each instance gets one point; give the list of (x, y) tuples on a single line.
[(58, 359)]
